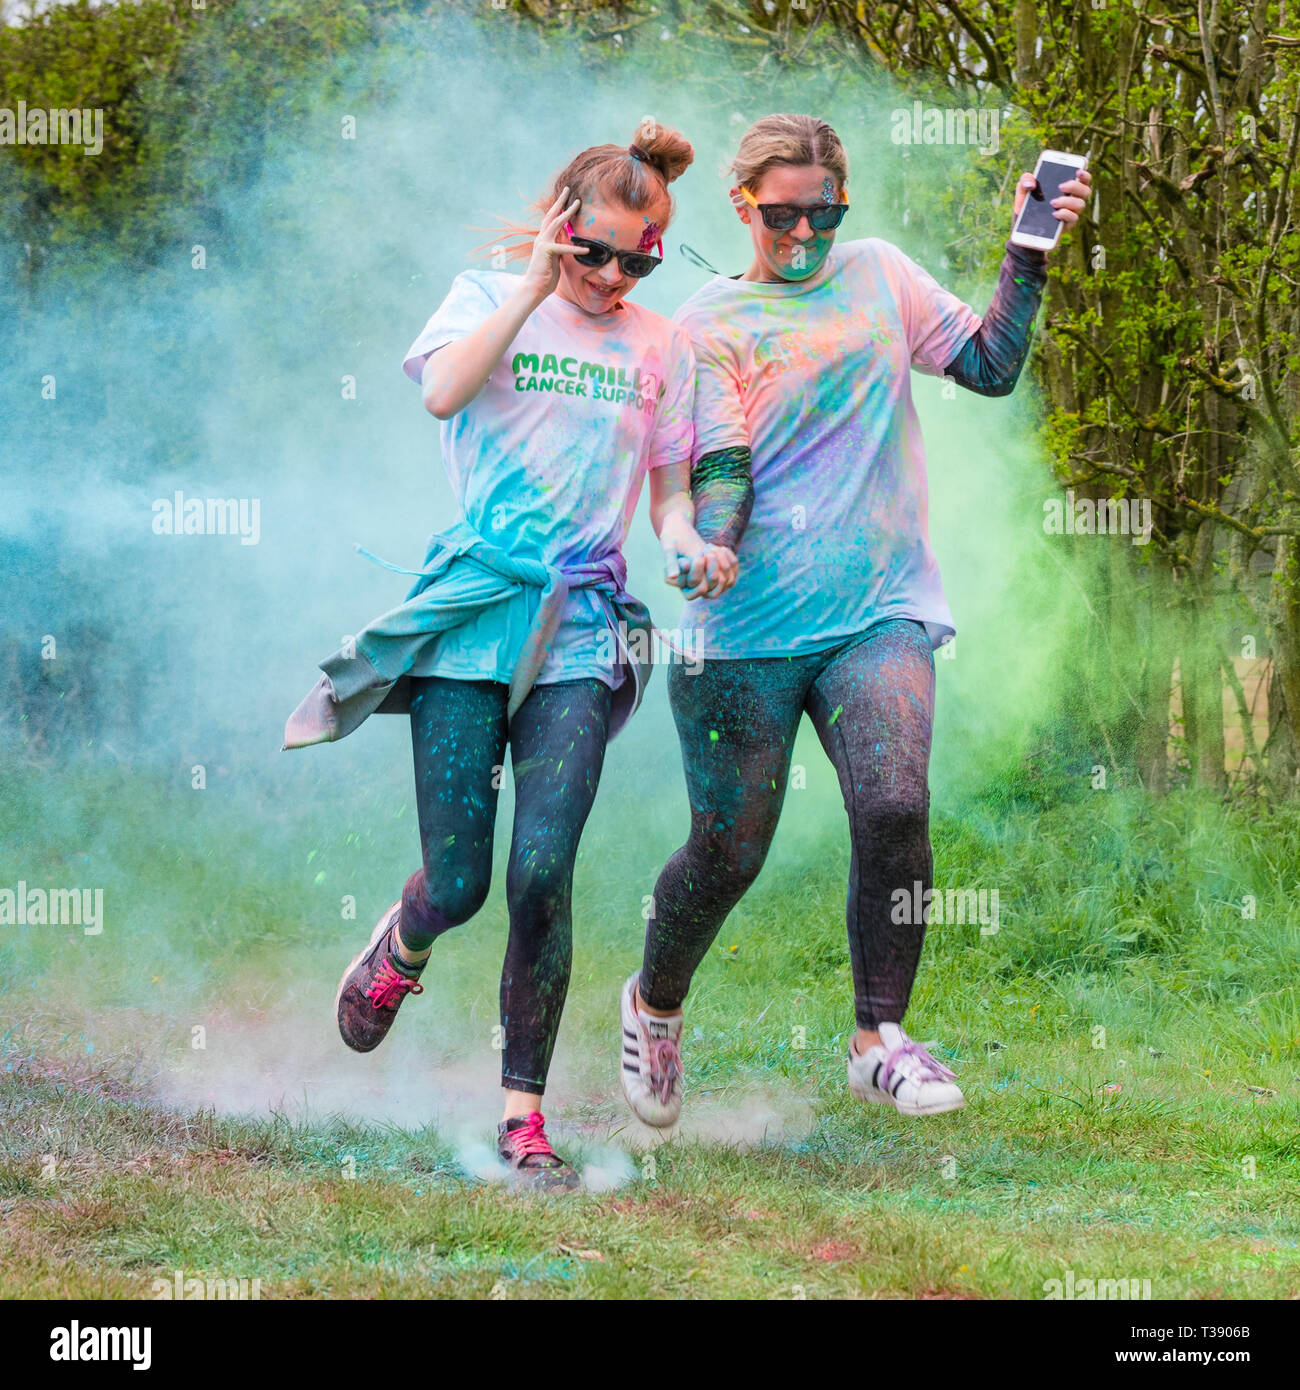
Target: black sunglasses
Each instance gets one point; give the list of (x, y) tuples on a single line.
[(637, 264), (780, 217)]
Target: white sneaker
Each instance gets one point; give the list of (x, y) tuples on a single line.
[(651, 1073), (902, 1073)]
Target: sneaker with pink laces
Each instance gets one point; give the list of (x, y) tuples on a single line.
[(522, 1144), (373, 987), (901, 1073)]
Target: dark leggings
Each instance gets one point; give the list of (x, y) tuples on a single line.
[(557, 746), (871, 700)]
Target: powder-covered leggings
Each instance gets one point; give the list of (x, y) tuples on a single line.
[(871, 700), (557, 746)]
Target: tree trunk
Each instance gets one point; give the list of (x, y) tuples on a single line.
[(1208, 749), (1152, 751), (1284, 690)]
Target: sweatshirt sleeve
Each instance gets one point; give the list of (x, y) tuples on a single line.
[(990, 361)]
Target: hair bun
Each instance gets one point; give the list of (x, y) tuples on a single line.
[(665, 150)]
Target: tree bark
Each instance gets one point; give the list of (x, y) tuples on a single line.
[(1152, 752)]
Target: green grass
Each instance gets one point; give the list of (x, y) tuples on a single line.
[(1117, 914)]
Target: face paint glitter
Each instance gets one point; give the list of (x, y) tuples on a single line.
[(648, 237), (828, 191)]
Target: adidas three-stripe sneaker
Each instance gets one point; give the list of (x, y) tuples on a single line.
[(901, 1073), (651, 1069)]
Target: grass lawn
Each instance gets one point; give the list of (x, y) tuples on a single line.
[(1128, 1041)]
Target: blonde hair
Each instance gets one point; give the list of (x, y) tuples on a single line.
[(635, 176), (786, 140)]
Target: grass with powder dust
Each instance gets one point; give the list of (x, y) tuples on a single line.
[(1162, 1147)]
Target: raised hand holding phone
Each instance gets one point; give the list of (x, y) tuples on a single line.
[(1050, 199)]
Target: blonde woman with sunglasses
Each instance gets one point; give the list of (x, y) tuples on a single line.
[(805, 362)]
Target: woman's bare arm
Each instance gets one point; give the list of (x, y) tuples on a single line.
[(456, 373), (712, 568)]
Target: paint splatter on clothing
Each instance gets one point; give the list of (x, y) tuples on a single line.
[(815, 379), (723, 491), (990, 360), (557, 745), (871, 700), (549, 459)]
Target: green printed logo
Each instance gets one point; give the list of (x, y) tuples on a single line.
[(570, 376)]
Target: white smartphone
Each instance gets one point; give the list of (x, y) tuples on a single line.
[(1036, 226)]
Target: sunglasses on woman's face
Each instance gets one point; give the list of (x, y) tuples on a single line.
[(636, 264), (781, 217)]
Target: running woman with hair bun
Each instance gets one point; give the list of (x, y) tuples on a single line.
[(556, 397), (804, 372)]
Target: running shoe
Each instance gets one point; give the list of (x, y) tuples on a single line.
[(373, 987), (901, 1073), (651, 1073), (523, 1146)]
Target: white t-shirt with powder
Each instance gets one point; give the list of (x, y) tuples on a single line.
[(549, 459), (815, 379)]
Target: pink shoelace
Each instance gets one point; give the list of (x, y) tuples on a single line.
[(929, 1069), (530, 1138), (390, 987), (665, 1067)]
